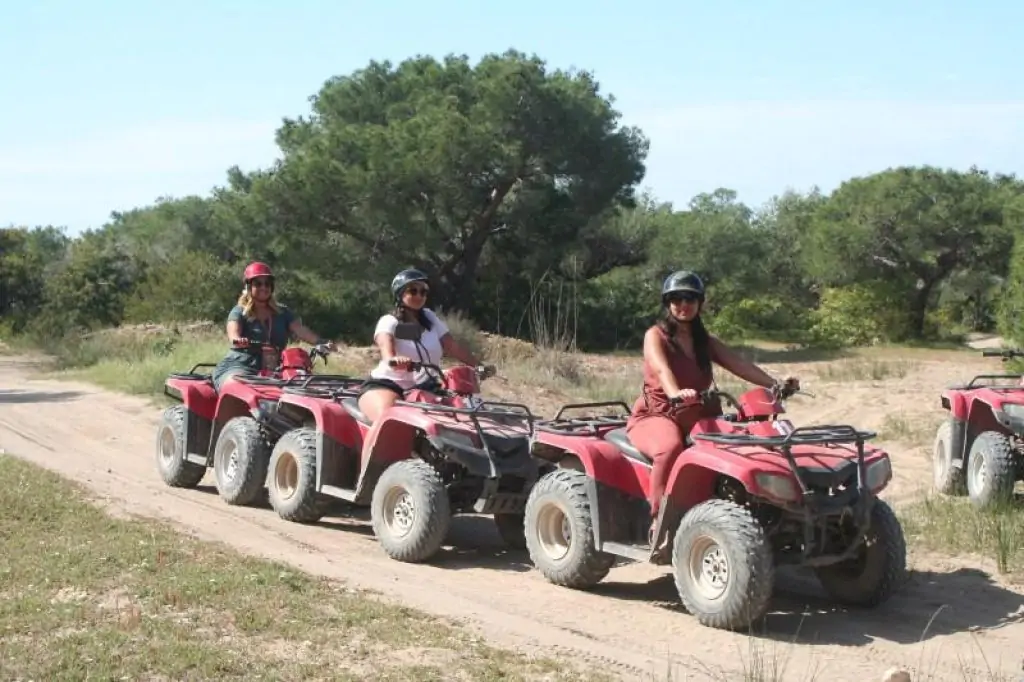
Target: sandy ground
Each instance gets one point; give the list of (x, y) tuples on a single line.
[(632, 623)]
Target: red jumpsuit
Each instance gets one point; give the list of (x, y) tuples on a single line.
[(658, 429)]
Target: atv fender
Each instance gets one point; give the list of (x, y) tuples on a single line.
[(199, 396), (338, 439), (393, 437), (693, 475)]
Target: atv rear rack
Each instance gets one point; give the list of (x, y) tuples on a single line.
[(485, 410), (193, 375), (584, 426)]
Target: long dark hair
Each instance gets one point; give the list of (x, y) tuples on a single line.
[(421, 316), (701, 338)]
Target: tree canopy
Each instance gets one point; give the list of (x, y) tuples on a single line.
[(515, 187)]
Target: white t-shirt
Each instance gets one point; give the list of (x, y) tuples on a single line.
[(430, 349)]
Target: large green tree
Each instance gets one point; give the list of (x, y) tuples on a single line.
[(429, 162), (911, 229)]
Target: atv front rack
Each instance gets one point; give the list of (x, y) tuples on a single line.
[(827, 434), (584, 426), (974, 383)]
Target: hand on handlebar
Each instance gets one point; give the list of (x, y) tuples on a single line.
[(400, 361), (242, 342), (685, 396)]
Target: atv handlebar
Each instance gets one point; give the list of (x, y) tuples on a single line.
[(1004, 353), (779, 391), (482, 371)]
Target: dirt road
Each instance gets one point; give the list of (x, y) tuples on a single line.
[(631, 623)]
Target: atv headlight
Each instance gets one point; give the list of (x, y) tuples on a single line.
[(877, 475), (458, 437), (778, 487), (1014, 411)]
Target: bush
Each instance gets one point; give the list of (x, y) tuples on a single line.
[(858, 315)]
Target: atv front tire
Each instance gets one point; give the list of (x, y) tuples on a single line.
[(991, 473), (722, 564), (292, 480), (175, 470), (240, 461), (948, 479), (880, 567), (410, 511), (559, 531)]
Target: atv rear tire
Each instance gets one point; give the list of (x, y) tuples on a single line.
[(948, 479), (722, 564), (240, 461), (870, 578), (991, 473), (511, 530), (175, 470), (559, 531), (291, 485), (410, 511)]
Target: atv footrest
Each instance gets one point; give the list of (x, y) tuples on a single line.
[(501, 503)]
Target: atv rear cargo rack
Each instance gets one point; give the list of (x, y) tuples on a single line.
[(193, 375), (485, 410), (584, 426)]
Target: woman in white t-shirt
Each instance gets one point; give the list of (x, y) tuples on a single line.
[(386, 383)]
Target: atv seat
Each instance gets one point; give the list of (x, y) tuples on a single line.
[(351, 406), (620, 439)]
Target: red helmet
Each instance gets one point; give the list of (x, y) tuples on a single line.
[(256, 269)]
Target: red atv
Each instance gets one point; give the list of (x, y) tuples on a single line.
[(981, 446), (438, 451), (222, 430), (748, 492)]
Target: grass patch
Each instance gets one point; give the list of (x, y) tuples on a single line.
[(866, 370), (87, 595), (951, 525)]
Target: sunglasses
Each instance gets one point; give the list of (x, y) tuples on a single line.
[(417, 291), (684, 297), (261, 282)]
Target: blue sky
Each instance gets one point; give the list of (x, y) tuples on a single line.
[(107, 105)]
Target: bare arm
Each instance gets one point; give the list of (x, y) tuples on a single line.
[(386, 344), (738, 365), (457, 350), (303, 333), (654, 353), (234, 330)]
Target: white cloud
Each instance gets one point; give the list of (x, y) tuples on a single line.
[(761, 148)]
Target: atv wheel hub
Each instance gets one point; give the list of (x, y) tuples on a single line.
[(231, 468), (709, 567), (167, 446), (399, 511), (286, 475), (978, 470), (554, 531)]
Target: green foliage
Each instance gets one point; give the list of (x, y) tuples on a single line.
[(861, 314), (515, 187), (1011, 306), (193, 286)]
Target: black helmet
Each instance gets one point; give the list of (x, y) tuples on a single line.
[(404, 279), (680, 281)]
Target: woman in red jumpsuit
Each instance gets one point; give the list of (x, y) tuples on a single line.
[(678, 353)]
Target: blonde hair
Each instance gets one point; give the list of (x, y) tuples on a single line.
[(248, 303)]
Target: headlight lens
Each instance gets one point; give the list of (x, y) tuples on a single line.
[(779, 487), (1013, 410), (878, 474)]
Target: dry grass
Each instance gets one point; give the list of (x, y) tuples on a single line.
[(90, 596)]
